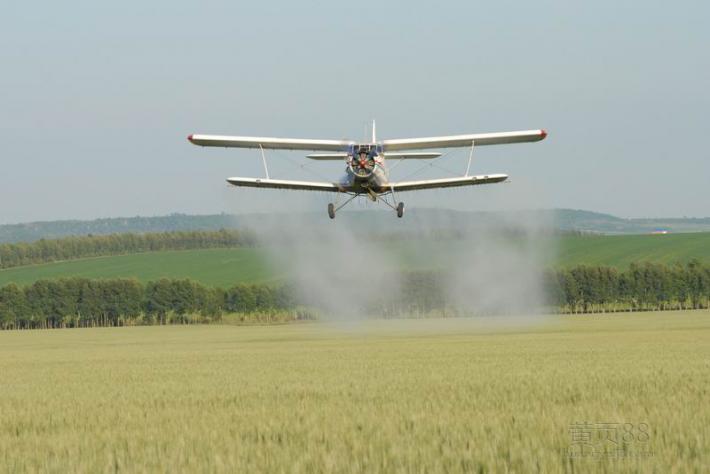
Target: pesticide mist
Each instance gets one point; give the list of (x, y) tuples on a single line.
[(363, 263), (333, 267)]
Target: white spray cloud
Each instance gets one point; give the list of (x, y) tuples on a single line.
[(334, 266), (501, 271)]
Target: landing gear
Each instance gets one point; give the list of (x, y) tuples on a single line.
[(400, 209), (333, 208)]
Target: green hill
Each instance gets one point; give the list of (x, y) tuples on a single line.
[(224, 267), (367, 221), (621, 250), (218, 267)]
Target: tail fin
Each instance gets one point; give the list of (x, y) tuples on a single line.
[(374, 135)]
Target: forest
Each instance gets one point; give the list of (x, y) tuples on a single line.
[(79, 302)]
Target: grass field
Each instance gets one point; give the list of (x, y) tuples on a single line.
[(621, 250), (377, 396), (212, 266), (225, 267)]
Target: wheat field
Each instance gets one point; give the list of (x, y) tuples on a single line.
[(543, 394)]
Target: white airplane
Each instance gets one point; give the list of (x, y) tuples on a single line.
[(366, 171)]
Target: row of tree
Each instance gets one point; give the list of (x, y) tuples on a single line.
[(639, 288), (79, 302), (44, 251)]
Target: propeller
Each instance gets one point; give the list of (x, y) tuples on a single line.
[(363, 165)]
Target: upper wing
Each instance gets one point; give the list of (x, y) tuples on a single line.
[(285, 184), (447, 182), (269, 143), (454, 141)]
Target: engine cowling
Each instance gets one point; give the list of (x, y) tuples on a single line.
[(362, 167)]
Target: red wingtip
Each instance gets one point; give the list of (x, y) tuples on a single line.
[(543, 134), (189, 137)]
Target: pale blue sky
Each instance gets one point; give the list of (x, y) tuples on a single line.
[(96, 99)]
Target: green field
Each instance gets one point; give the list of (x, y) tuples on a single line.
[(376, 396), (621, 250), (225, 267), (212, 266)]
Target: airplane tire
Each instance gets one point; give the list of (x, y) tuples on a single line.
[(400, 209), (331, 210)]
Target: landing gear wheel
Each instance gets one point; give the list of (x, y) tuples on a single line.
[(400, 209), (331, 210)]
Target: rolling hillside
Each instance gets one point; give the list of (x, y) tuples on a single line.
[(559, 219), (621, 250), (218, 267), (224, 267)]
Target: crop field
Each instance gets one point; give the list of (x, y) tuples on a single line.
[(211, 266), (225, 267), (621, 250), (622, 393)]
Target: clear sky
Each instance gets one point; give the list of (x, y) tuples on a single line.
[(96, 99)]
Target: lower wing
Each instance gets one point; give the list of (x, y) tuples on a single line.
[(447, 182), (334, 187), (285, 184), (394, 155)]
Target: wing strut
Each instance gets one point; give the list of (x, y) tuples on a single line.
[(263, 158), (470, 157)]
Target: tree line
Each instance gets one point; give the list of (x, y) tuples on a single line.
[(80, 302), (68, 248), (641, 287)]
